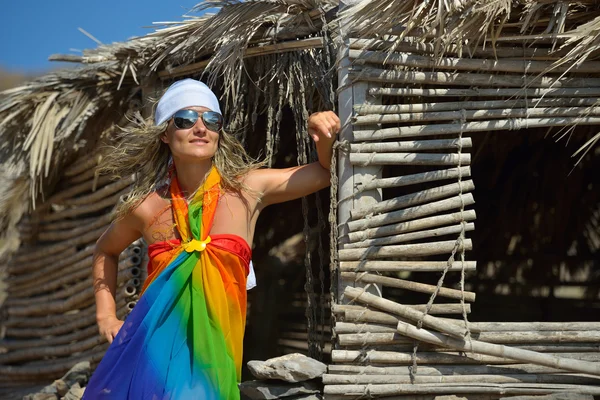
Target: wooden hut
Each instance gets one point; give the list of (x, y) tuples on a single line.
[(420, 86)]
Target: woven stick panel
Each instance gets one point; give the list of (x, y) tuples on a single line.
[(49, 316), (406, 219)]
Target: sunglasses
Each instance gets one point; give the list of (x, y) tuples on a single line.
[(185, 119)]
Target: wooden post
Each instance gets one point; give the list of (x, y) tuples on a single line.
[(351, 176)]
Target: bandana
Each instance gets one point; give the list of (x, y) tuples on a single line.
[(183, 94)]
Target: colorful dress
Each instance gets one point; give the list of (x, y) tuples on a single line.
[(183, 339)]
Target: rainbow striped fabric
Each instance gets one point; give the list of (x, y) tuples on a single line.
[(183, 339)]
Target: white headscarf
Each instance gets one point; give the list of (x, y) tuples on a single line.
[(183, 94)]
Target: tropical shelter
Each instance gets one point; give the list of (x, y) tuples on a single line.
[(419, 85)]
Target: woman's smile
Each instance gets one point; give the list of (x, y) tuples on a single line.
[(199, 141)]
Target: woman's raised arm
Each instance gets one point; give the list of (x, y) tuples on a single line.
[(279, 185)]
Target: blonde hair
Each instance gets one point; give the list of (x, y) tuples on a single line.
[(140, 150)]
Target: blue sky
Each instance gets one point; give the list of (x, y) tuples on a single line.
[(32, 30)]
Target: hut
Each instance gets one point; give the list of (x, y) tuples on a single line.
[(435, 98)]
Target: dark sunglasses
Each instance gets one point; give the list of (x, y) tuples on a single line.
[(185, 119)]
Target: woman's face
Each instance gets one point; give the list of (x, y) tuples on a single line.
[(195, 144)]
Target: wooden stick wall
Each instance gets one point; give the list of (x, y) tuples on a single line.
[(406, 110), (49, 317)]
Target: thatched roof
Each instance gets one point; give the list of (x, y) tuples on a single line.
[(289, 58), (45, 123)]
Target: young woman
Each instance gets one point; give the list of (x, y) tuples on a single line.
[(195, 202)]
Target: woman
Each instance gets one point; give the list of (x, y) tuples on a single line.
[(183, 339)]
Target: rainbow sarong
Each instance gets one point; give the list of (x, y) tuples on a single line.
[(183, 339)]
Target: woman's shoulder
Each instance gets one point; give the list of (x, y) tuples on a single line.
[(150, 206)]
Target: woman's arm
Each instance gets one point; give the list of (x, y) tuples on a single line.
[(117, 237), (279, 185)]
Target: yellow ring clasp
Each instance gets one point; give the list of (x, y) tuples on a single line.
[(196, 245)]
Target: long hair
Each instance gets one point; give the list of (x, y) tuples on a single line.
[(140, 151)]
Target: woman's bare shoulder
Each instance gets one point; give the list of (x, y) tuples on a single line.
[(152, 204)]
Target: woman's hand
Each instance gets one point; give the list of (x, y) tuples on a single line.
[(109, 327), (323, 127)]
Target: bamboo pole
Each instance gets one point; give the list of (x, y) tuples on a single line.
[(77, 189), (79, 320), (404, 250), (53, 295), (402, 311), (74, 272), (479, 126), (133, 272), (423, 196), (130, 287), (131, 305), (60, 247), (412, 213), (54, 367), (436, 309), (409, 159), (401, 345), (408, 285), (499, 350), (336, 379), (21, 271), (468, 64), (468, 79), (360, 334), (408, 237), (46, 320), (486, 126), (51, 280), (411, 226), (535, 326), (560, 347), (68, 289), (413, 145), (62, 267), (66, 224), (414, 179), (483, 92), (276, 48), (86, 332), (82, 165), (90, 174), (425, 358), (439, 370), (60, 306), (365, 315), (100, 193), (525, 337), (364, 110), (54, 351), (457, 388), (22, 262), (397, 266), (429, 48), (67, 234), (350, 328), (486, 114), (372, 338), (85, 209)]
